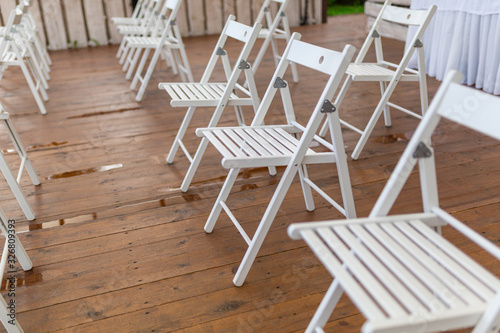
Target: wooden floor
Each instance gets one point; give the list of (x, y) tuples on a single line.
[(117, 247)]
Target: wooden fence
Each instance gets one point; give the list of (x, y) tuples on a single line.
[(391, 30), (80, 23)]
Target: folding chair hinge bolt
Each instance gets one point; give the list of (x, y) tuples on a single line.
[(14, 30), (418, 44), (220, 52), (266, 9), (7, 38), (279, 83), (173, 22), (282, 14), (328, 107), (422, 151), (375, 34), (244, 65)]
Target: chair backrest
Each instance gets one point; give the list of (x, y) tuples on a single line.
[(469, 107), (166, 19), (403, 16), (151, 14), (265, 13), (239, 32)]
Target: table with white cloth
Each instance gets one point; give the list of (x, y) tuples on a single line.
[(463, 35)]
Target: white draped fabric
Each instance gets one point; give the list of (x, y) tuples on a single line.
[(463, 35)]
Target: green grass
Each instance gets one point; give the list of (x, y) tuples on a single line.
[(334, 10)]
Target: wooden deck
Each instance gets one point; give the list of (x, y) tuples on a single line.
[(117, 247)]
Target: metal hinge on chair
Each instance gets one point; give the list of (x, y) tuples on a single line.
[(422, 151), (375, 34), (328, 107), (282, 14), (244, 65), (418, 43), (279, 83), (173, 22), (220, 52), (266, 9)]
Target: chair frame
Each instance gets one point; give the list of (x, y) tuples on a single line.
[(473, 294), (169, 45), (273, 32), (325, 61), (22, 256), (248, 36), (388, 81)]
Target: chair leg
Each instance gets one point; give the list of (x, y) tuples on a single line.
[(239, 115), (125, 54), (21, 151), (224, 193), (4, 317), (265, 223), (32, 86), (338, 102), (185, 64), (490, 320), (128, 58), (16, 189), (120, 49), (387, 110), (149, 73), (276, 54), (326, 307), (194, 165), (133, 62), (306, 189), (180, 134)]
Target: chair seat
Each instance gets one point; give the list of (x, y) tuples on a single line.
[(375, 72), (132, 30), (125, 21), (264, 32), (9, 58), (400, 272), (259, 146), (147, 42), (200, 94)]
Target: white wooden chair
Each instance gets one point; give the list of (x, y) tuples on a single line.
[(142, 28), (14, 182), (12, 242), (167, 43), (215, 94), (401, 274), (135, 17), (287, 145), (276, 28), (14, 51), (387, 73)]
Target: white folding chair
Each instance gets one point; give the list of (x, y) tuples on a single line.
[(13, 246), (387, 73), (276, 27), (135, 17), (144, 27), (287, 145), (215, 94), (15, 51), (14, 182), (401, 274), (167, 42)]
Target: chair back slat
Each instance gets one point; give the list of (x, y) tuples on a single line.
[(239, 31), (473, 109), (314, 57), (404, 16)]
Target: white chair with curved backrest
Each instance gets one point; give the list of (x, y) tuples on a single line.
[(13, 181), (166, 41), (12, 246), (207, 93), (276, 28), (398, 270), (15, 51), (387, 73), (260, 145)]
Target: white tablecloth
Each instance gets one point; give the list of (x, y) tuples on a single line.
[(463, 35)]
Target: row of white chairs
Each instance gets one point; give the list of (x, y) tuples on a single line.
[(21, 45), (367, 257)]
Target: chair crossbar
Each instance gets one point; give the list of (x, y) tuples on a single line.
[(325, 196), (21, 168), (186, 152), (405, 110), (237, 224)]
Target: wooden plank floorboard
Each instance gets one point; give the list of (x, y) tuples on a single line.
[(117, 247)]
